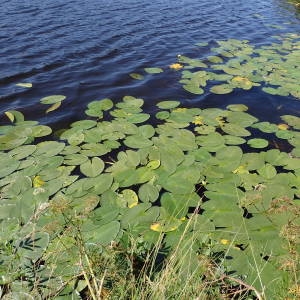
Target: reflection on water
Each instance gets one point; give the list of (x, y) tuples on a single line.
[(86, 49)]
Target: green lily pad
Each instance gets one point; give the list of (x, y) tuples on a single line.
[(49, 148), (162, 115), (267, 171), (221, 89), (93, 167), (215, 59), (265, 127), (8, 165), (292, 121), (52, 99), (148, 192), (153, 70), (193, 88), (84, 124), (235, 130), (284, 134), (138, 118), (234, 140), (168, 104), (237, 107), (136, 76), (258, 143), (75, 159), (137, 141), (22, 151)]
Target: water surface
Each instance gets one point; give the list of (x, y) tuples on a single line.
[(86, 49)]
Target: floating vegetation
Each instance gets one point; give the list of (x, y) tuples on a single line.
[(191, 176), (176, 66), (218, 180), (153, 70), (136, 76), (55, 100), (24, 84), (237, 64)]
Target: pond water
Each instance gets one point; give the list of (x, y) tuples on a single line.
[(86, 50)]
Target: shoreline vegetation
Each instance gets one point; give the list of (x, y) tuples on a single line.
[(186, 203)]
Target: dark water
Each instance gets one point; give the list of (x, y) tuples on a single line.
[(86, 49)]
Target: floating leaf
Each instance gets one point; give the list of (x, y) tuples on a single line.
[(24, 84), (215, 59), (153, 164), (136, 76), (53, 107), (153, 70), (193, 88), (258, 143), (237, 107), (15, 115), (241, 82), (52, 99), (130, 197), (148, 192), (137, 141), (93, 167), (168, 104), (101, 235), (221, 89), (267, 171), (162, 115), (41, 130), (265, 127), (235, 130), (170, 224), (292, 121)]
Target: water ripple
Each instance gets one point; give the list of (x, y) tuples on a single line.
[(86, 49)]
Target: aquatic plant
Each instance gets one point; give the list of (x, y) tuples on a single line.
[(212, 191)]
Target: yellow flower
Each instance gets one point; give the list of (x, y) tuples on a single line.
[(38, 182), (176, 66), (224, 242), (283, 126), (198, 120)]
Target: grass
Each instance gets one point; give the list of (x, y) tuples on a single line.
[(134, 273)]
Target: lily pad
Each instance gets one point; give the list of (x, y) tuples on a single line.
[(237, 107), (153, 70), (221, 89), (168, 104), (93, 167), (136, 76), (258, 143), (52, 99)]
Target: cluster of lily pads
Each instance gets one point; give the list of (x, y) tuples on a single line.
[(236, 64), (193, 174)]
